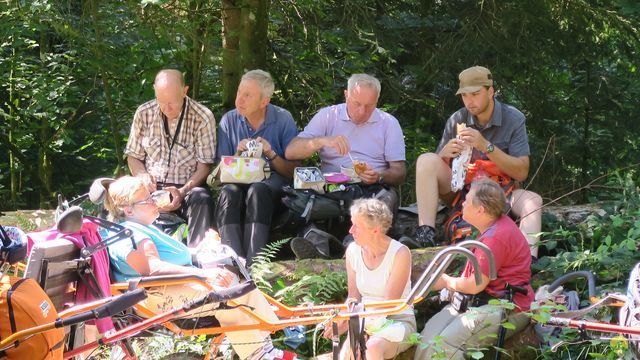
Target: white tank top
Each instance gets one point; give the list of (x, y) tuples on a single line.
[(371, 283)]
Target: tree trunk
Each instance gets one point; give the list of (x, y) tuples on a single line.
[(586, 130), (253, 38), (244, 43), (45, 169), (198, 35), (13, 178), (106, 87), (231, 61)]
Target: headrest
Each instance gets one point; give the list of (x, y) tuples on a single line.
[(98, 189), (13, 249), (70, 220)]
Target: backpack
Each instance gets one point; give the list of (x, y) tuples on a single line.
[(455, 227), (310, 205), (24, 305)]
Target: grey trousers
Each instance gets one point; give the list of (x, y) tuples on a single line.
[(452, 334), (244, 214)]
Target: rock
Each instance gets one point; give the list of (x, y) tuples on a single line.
[(287, 269)]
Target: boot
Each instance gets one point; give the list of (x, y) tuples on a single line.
[(231, 235)]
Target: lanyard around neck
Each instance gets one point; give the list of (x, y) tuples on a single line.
[(175, 135)]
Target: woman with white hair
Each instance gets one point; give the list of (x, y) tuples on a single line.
[(378, 268)]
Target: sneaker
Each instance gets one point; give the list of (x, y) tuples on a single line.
[(277, 354), (305, 249), (425, 237)]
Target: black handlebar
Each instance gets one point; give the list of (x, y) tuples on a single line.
[(115, 306), (220, 295), (591, 281)]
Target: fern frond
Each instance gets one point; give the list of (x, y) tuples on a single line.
[(260, 266)]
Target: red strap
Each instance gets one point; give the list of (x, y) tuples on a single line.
[(488, 169), (288, 355)]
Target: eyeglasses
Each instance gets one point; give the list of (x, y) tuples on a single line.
[(147, 201)]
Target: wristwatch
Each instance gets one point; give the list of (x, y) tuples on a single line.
[(381, 179), (271, 158), (490, 148)]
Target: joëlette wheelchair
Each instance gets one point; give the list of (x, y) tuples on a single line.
[(62, 267), (288, 316)]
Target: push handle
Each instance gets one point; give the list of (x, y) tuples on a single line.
[(591, 281), (119, 304), (220, 295)]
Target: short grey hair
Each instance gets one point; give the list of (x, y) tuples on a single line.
[(364, 80), (263, 79), (490, 196), (374, 211)]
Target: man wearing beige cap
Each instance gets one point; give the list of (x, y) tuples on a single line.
[(497, 135)]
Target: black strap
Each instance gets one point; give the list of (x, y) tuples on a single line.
[(12, 319), (306, 214), (6, 241), (357, 339), (335, 341), (175, 135)]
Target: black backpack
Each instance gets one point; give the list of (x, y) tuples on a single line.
[(310, 205)]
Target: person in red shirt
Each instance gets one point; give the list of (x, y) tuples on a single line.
[(453, 331)]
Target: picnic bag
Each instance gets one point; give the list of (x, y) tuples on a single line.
[(24, 305), (239, 170), (242, 170)]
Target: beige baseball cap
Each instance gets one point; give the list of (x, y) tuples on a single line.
[(474, 79)]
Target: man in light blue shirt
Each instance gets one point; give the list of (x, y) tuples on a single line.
[(244, 212)]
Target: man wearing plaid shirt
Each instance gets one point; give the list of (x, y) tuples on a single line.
[(172, 146)]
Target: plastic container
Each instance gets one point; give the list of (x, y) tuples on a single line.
[(308, 178)]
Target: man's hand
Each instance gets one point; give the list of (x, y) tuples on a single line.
[(452, 149), (149, 181), (340, 143), (242, 145), (177, 197), (266, 146), (472, 137), (369, 176)]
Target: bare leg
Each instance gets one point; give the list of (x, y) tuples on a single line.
[(433, 178), (527, 206)]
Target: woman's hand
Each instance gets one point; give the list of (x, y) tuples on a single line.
[(343, 325), (220, 277)]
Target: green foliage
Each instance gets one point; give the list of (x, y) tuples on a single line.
[(320, 288), (260, 266), (75, 72), (607, 244)]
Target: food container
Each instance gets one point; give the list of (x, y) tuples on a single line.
[(162, 198), (308, 178)]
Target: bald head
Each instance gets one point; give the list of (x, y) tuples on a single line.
[(169, 77), (170, 92)]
